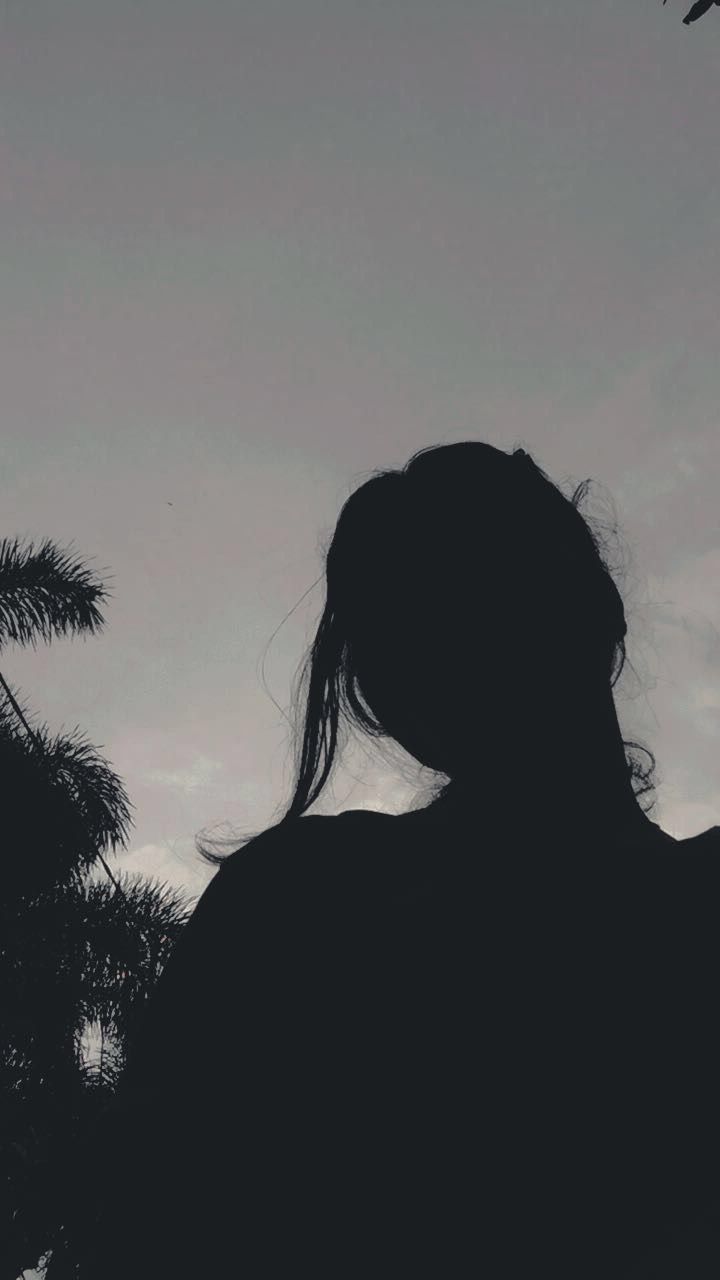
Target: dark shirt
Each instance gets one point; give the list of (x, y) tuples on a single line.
[(390, 1046)]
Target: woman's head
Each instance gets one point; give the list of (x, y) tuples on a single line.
[(467, 602), (468, 590)]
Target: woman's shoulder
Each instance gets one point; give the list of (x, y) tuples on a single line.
[(694, 855), (295, 844), (298, 862), (702, 841)]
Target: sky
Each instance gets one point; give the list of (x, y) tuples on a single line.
[(249, 253)]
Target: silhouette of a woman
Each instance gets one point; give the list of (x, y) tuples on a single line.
[(473, 1039)]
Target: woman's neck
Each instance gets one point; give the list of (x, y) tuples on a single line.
[(574, 772)]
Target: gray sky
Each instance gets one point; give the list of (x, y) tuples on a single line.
[(250, 252)]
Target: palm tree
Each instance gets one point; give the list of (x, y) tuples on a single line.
[(74, 952)]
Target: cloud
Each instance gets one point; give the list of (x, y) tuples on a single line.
[(162, 862), (196, 776)]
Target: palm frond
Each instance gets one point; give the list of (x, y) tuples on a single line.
[(98, 807), (78, 956), (46, 593), (129, 938)]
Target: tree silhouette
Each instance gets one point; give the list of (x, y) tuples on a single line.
[(697, 11), (75, 953)]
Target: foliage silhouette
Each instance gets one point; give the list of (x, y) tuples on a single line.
[(698, 9), (74, 953)]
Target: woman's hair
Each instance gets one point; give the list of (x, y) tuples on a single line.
[(466, 550)]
